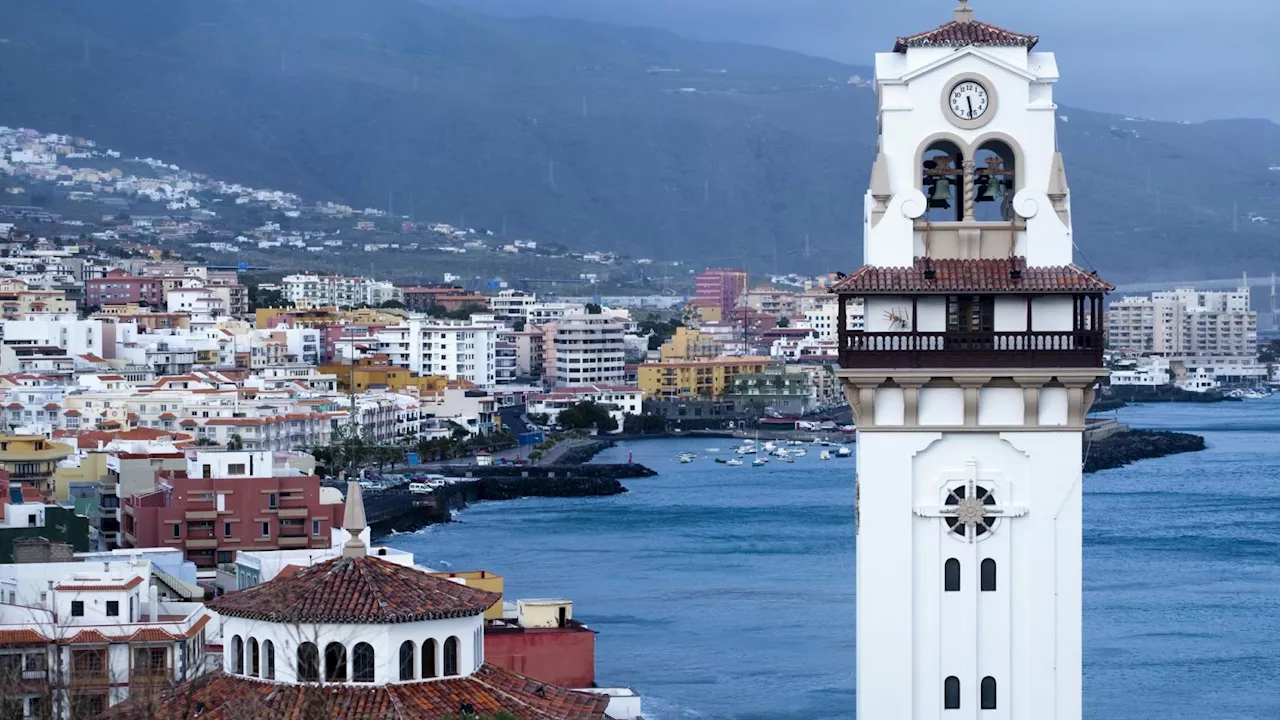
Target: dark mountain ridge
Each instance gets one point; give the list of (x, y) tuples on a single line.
[(599, 136)]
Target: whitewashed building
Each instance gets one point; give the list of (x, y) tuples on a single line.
[(454, 349)]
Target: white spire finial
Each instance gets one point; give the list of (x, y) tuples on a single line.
[(964, 13), (353, 522)]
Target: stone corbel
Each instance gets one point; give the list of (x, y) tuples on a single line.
[(1076, 407), (972, 387), (910, 400), (1031, 398), (970, 243)]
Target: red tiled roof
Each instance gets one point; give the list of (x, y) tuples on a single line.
[(16, 638), (487, 691), (110, 377), (971, 276), (168, 416), (152, 634), (51, 406), (188, 422), (962, 34), (356, 590), (15, 406), (89, 637), (72, 413)]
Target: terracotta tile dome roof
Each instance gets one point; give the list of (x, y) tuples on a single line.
[(964, 31), (356, 590), (484, 692)]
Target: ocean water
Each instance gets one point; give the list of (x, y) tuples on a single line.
[(728, 593)]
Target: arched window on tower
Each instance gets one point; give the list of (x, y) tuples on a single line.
[(994, 182), (407, 651), (362, 662), (429, 659), (951, 575), (988, 575), (254, 659), (308, 662), (988, 693), (951, 693), (451, 657), (237, 655), (942, 181), (269, 651), (335, 662)]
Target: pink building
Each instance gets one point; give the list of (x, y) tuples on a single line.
[(722, 287)]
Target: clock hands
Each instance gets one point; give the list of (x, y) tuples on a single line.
[(969, 98)]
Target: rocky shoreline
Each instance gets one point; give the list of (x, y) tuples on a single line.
[(1128, 447), (402, 511)]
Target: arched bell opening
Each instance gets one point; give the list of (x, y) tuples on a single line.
[(994, 181), (942, 181)]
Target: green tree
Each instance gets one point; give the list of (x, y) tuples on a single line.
[(594, 309), (784, 322), (392, 305), (235, 442), (587, 415)]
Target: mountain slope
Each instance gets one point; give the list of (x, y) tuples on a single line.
[(598, 136)]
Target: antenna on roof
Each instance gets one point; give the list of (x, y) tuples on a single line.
[(964, 13)]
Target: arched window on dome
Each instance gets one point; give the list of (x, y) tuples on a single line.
[(994, 182), (254, 659), (237, 655), (451, 657), (362, 663), (951, 693), (335, 662), (429, 659), (942, 181), (308, 662), (269, 652), (407, 651)]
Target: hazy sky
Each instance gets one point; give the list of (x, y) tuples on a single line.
[(1168, 59)]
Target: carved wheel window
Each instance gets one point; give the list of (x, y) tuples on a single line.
[(970, 510)]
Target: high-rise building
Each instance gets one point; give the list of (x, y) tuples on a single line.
[(722, 287), (457, 350), (970, 384), (585, 349), (1185, 323)]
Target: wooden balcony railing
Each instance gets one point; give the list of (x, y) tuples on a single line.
[(895, 350)]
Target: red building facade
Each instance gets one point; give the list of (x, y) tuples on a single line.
[(229, 501), (722, 287), (118, 287), (563, 656)]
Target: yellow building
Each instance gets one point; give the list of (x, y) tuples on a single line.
[(32, 459), (17, 301), (690, 344), (480, 580), (375, 372), (704, 379), (266, 318)]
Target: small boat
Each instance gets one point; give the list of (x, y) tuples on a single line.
[(826, 455), (713, 450), (799, 453), (844, 452), (687, 457), (788, 459), (734, 462), (759, 462), (770, 446), (722, 461)]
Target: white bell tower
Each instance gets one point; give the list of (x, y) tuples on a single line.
[(970, 383)]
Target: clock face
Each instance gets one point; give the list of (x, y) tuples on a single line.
[(969, 100)]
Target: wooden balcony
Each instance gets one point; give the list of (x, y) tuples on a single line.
[(908, 350)]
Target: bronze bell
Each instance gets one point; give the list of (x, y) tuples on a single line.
[(941, 195)]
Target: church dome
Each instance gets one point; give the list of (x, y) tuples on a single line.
[(364, 590)]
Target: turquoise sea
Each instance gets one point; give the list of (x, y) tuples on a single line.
[(728, 593)]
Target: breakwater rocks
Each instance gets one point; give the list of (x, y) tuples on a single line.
[(399, 510), (1127, 447), (583, 454)]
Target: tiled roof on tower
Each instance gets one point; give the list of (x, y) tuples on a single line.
[(356, 590), (964, 31), (979, 276)]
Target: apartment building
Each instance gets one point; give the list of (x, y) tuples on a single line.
[(1185, 323), (585, 349), (337, 291), (721, 287), (620, 400), (228, 501), (703, 379), (512, 305), (456, 350), (119, 287)]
